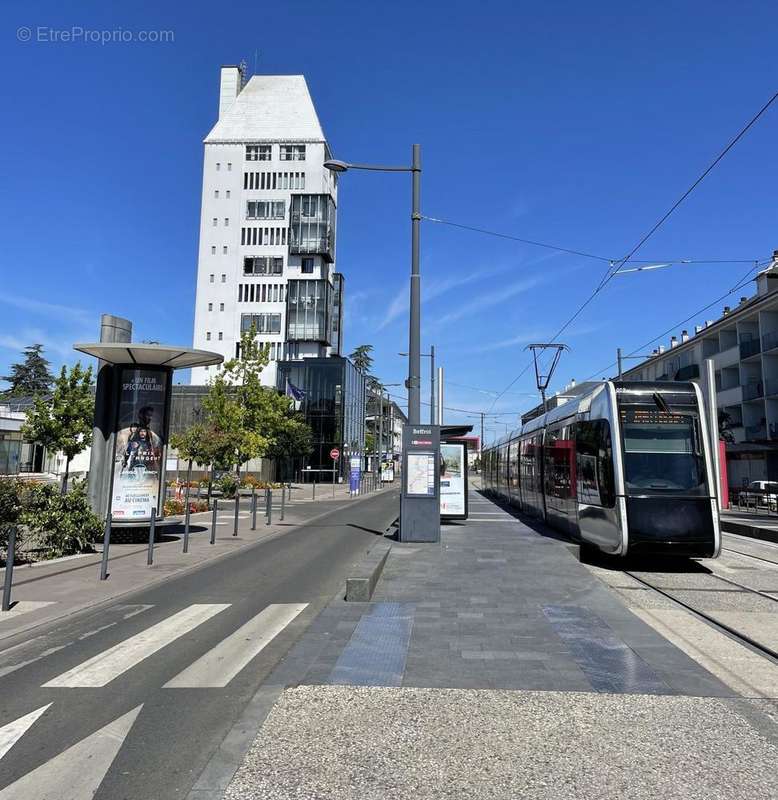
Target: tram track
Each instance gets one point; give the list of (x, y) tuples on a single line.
[(768, 652)]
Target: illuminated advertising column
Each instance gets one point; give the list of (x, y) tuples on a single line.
[(141, 436)]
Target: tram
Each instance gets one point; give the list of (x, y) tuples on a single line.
[(624, 468)]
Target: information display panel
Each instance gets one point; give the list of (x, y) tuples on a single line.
[(421, 475)]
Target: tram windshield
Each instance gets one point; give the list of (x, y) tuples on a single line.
[(662, 451)]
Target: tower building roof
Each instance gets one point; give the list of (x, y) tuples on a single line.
[(270, 107)]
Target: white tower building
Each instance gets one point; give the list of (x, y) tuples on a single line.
[(267, 227)]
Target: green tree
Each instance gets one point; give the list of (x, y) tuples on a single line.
[(242, 419), (31, 377), (362, 358), (63, 421)]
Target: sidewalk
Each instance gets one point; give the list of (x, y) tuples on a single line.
[(47, 591), (746, 523), (496, 665)]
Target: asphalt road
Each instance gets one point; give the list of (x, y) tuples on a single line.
[(112, 723)]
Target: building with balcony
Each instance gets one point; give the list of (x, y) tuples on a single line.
[(267, 226), (743, 344)]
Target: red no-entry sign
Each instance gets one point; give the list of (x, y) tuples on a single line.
[(335, 453)]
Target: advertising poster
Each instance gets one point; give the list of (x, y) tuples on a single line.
[(453, 489), (137, 467)]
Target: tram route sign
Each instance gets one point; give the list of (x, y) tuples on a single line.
[(420, 498)]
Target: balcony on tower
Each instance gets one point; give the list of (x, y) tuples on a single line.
[(312, 225)]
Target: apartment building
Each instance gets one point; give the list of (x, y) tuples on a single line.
[(743, 344), (267, 229)]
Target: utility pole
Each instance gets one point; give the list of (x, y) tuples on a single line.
[(481, 441), (439, 416), (618, 361), (432, 384), (381, 435)]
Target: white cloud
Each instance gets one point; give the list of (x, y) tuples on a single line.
[(49, 310), (472, 305), (436, 287)]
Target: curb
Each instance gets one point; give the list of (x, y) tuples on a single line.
[(751, 531), (360, 589)]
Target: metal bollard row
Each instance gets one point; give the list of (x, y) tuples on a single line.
[(9, 568), (213, 521)]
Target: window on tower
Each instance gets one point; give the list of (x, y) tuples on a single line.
[(292, 152), (258, 152)]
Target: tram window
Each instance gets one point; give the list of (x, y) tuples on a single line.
[(662, 451), (594, 462), (559, 471)]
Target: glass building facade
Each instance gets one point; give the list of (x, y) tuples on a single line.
[(312, 225), (308, 311), (333, 406)]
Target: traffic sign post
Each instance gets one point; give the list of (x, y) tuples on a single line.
[(334, 455)]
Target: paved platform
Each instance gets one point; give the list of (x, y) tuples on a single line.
[(497, 665), (762, 525)]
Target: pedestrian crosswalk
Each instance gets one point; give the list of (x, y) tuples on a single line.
[(221, 664), (104, 667), (82, 767), (77, 772)]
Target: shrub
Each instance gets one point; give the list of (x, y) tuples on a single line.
[(11, 498), (64, 524), (228, 484), (173, 508)]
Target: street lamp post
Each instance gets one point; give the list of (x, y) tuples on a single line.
[(433, 401), (414, 332)]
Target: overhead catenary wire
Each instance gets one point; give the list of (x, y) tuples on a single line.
[(745, 280), (614, 266)]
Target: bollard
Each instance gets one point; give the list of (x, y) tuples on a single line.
[(186, 519), (237, 508), (253, 511), (106, 545), (267, 502), (269, 506), (213, 520), (282, 504), (9, 568), (313, 496), (152, 526)]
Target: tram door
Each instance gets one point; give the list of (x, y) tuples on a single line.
[(559, 475)]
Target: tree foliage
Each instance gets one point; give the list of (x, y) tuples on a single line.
[(362, 358), (30, 377), (242, 418), (63, 420)]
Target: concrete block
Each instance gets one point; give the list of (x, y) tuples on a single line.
[(360, 588)]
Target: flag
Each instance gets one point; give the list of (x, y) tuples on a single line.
[(294, 392)]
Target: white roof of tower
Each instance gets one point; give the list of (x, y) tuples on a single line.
[(275, 107)]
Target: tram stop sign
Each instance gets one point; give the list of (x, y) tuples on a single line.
[(334, 454)]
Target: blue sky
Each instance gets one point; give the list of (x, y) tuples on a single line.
[(572, 123)]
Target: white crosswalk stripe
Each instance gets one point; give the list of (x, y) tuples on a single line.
[(13, 731), (104, 667), (222, 663), (76, 773)]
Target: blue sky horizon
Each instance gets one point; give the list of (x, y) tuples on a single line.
[(570, 124)]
